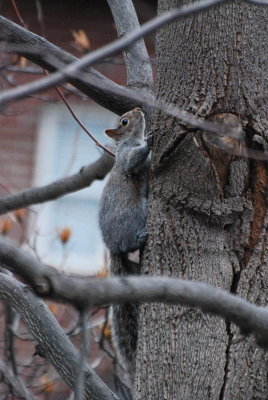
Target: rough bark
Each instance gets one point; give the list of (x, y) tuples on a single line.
[(215, 62)]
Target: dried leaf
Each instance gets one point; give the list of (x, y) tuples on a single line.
[(23, 62), (103, 273), (5, 226), (53, 307), (48, 385), (64, 235), (107, 332), (20, 214), (81, 40)]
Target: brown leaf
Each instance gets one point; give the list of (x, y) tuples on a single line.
[(64, 235), (107, 332), (5, 226), (81, 40), (53, 307), (103, 273), (23, 62), (48, 385), (20, 214)]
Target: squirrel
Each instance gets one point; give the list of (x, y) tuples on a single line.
[(122, 217)]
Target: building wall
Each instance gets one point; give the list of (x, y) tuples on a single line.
[(19, 122)]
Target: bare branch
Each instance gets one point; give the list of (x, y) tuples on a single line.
[(82, 292), (260, 2), (9, 338), (79, 390), (23, 70), (43, 53), (18, 13), (97, 170), (71, 71), (190, 119), (43, 326), (222, 131), (131, 97), (15, 383), (139, 70)]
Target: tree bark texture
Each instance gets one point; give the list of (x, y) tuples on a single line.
[(207, 210)]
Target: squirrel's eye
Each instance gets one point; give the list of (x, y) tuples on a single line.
[(124, 121)]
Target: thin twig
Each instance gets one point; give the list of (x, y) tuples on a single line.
[(40, 16), (13, 83), (9, 339), (18, 13), (79, 390), (92, 137)]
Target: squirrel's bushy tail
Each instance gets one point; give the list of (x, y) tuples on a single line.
[(125, 317)]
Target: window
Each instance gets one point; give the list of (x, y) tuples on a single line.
[(62, 149)]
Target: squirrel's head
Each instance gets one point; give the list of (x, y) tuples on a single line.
[(130, 124)]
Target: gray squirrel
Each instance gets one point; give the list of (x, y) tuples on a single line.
[(122, 217)]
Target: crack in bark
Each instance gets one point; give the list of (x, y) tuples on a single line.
[(227, 356), (233, 289), (259, 180)]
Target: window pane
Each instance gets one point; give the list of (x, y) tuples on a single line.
[(83, 252), (62, 150)]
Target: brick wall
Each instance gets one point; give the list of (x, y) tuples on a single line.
[(19, 125)]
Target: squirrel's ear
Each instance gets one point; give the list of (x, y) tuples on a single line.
[(112, 133)]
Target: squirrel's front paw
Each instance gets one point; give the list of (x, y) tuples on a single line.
[(142, 236), (150, 140)]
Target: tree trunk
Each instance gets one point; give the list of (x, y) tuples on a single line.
[(207, 209)]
